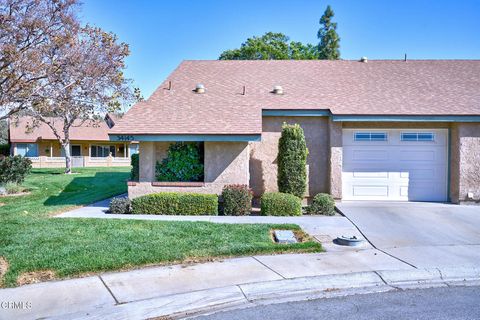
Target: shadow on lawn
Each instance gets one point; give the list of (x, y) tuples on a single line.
[(83, 190)]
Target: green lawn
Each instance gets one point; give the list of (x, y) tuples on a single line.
[(30, 240)]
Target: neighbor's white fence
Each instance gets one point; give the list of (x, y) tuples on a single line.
[(59, 162)]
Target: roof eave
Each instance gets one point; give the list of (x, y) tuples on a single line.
[(186, 137)]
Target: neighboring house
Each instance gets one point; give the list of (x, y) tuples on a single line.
[(376, 130), (90, 145)]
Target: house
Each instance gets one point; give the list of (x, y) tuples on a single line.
[(90, 144), (375, 130)]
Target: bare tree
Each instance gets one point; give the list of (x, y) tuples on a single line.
[(29, 29), (85, 78)]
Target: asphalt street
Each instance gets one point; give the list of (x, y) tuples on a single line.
[(436, 303)]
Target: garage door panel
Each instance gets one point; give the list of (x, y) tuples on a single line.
[(373, 174), (416, 155), (378, 191), (404, 191), (417, 174), (395, 169), (370, 155)]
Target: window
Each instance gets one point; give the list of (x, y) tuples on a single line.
[(133, 148), (27, 149), (418, 136), (370, 136), (75, 151), (102, 151)]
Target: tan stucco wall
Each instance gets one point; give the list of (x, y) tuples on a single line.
[(466, 153), (454, 164), (229, 162), (335, 159), (225, 163), (147, 162), (263, 155)]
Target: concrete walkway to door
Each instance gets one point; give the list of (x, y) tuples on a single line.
[(420, 234)]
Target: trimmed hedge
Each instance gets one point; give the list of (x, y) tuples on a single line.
[(322, 203), (120, 205), (135, 173), (176, 203), (14, 169), (280, 204), (292, 161), (237, 200)]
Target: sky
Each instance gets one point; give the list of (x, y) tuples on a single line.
[(163, 33)]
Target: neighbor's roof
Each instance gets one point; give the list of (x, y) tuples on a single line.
[(379, 87), (89, 130)]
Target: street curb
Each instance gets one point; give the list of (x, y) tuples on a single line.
[(278, 291), (310, 285)]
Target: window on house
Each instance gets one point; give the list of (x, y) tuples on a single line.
[(75, 151), (370, 136), (418, 136), (102, 151), (27, 149), (133, 148)]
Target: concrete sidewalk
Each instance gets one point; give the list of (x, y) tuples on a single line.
[(182, 290), (57, 298)]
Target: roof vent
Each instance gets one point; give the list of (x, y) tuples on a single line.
[(363, 59), (199, 88), (277, 90)]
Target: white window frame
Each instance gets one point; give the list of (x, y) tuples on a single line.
[(103, 146), (416, 136), (370, 134), (28, 148)]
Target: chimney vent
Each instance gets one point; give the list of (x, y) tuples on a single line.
[(277, 90), (363, 59), (199, 88)]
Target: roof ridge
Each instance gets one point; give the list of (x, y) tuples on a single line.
[(321, 60)]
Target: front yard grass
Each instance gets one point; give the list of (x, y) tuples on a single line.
[(31, 241)]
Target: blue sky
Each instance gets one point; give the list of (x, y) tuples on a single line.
[(163, 33)]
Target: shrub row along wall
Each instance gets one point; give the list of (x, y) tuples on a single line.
[(237, 200), (176, 203), (280, 204)]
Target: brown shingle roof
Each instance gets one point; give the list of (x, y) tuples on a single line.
[(90, 130), (414, 87)]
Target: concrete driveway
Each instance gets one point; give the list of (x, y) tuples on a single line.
[(421, 234)]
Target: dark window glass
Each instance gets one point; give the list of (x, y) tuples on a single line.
[(93, 151)]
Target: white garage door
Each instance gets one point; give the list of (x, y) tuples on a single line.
[(395, 164)]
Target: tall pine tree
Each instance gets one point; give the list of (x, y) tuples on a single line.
[(329, 45)]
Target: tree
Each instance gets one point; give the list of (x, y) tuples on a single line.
[(3, 132), (271, 46), (292, 161), (84, 78), (299, 51), (29, 31), (328, 48), (137, 94)]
